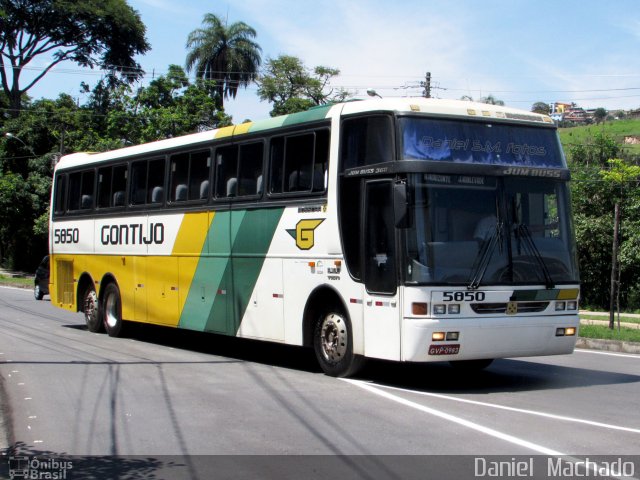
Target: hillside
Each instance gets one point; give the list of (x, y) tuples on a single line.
[(625, 132)]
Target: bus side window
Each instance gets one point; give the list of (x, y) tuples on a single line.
[(155, 181), (277, 165), (188, 173), (250, 169), (366, 141), (179, 177), (61, 189), (299, 162), (104, 187), (118, 186), (138, 192), (147, 182), (298, 172), (81, 185), (112, 183), (227, 171), (199, 166)]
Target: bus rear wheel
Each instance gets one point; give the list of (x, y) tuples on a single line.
[(91, 310), (112, 310), (333, 345)]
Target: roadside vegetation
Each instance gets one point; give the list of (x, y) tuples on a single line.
[(618, 130), (603, 332)]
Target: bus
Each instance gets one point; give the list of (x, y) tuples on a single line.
[(411, 230)]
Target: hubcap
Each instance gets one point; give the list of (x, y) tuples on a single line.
[(111, 311), (333, 338)]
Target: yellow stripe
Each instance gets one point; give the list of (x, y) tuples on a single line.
[(570, 294), (188, 246), (224, 132), (242, 128)]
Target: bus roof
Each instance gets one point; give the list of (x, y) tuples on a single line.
[(454, 108)]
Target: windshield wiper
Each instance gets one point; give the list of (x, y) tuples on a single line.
[(484, 255), (522, 233)]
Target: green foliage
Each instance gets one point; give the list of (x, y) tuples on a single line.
[(541, 107), (604, 332), (600, 114), (618, 130), (104, 33), (291, 88), (227, 55), (597, 184)]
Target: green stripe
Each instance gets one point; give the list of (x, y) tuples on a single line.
[(534, 295), (311, 115), (237, 244)]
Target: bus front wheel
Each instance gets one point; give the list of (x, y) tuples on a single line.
[(333, 345), (112, 310), (91, 310)]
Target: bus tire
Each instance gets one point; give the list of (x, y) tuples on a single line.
[(112, 310), (471, 365), (37, 292), (91, 310), (333, 345)]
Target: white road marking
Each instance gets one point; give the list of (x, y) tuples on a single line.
[(611, 354), (460, 421), (514, 409), (472, 425)]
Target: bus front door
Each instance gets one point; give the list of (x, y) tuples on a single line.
[(382, 309)]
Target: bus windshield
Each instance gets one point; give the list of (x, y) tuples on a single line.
[(480, 143), (477, 230)]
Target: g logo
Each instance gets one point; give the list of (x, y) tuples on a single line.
[(304, 233)]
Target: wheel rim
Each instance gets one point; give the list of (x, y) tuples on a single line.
[(37, 291), (333, 338), (91, 305), (111, 311)]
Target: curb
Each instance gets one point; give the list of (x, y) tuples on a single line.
[(608, 345)]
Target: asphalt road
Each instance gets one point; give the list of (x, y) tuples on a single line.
[(160, 396)]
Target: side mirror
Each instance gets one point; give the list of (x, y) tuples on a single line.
[(400, 205)]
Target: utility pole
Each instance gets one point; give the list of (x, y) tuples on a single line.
[(614, 266), (427, 85)]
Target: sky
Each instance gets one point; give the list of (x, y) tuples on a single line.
[(519, 51)]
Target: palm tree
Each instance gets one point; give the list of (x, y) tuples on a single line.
[(226, 54), (491, 100)]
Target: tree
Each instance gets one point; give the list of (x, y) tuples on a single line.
[(596, 186), (168, 107), (621, 175), (599, 115), (541, 107), (491, 100), (291, 88), (103, 33), (227, 55)]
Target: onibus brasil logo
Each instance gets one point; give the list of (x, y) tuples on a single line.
[(304, 233)]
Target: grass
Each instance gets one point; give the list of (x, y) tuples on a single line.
[(603, 332), (618, 129), (16, 281), (623, 319)]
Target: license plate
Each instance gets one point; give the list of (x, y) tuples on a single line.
[(444, 349)]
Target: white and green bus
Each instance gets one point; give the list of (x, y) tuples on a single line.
[(413, 230)]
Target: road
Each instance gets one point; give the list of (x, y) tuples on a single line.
[(160, 396)]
